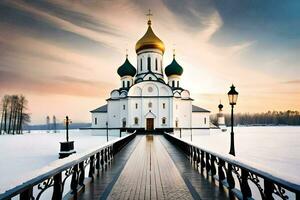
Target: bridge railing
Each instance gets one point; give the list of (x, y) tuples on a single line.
[(76, 170), (230, 172)]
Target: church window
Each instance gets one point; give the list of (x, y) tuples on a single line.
[(204, 120), (123, 84), (123, 107), (96, 120), (164, 105), (150, 105), (176, 123), (150, 78), (156, 64), (136, 106), (149, 63), (163, 120), (124, 122), (177, 83), (128, 83), (136, 121), (173, 83), (141, 65)]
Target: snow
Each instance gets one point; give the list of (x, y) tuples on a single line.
[(23, 154), (275, 150)]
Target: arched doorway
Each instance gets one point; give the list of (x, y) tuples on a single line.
[(150, 124)]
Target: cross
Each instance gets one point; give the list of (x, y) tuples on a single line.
[(149, 14), (126, 53)]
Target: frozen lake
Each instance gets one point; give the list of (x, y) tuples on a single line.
[(22, 154), (272, 149)]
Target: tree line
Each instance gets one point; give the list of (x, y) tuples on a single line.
[(13, 114), (272, 118)]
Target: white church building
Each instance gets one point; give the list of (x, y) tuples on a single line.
[(150, 96)]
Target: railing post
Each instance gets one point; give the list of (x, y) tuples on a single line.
[(102, 159), (27, 194), (98, 162), (213, 167), (268, 190), (57, 187), (81, 174), (92, 167), (230, 179), (74, 181), (198, 158), (208, 166), (105, 155), (195, 155), (246, 191), (220, 171), (202, 162), (180, 132)]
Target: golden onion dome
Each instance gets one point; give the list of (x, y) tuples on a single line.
[(149, 41)]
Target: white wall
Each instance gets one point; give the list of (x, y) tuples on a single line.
[(198, 120), (101, 120)]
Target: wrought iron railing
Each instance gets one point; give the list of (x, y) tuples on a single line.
[(229, 171), (74, 168)]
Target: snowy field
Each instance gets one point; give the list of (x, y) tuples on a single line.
[(272, 149), (22, 154)]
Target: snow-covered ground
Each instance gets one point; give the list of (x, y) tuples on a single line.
[(22, 154), (272, 149)]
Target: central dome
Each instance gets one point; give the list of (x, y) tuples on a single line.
[(149, 41)]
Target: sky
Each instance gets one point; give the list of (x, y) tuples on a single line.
[(64, 55)]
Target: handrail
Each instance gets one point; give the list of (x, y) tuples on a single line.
[(73, 166), (206, 161)]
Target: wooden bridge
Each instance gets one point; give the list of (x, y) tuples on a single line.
[(153, 167)]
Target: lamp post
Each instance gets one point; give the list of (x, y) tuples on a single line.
[(232, 96), (66, 148)]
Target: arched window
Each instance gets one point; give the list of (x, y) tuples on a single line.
[(128, 83), (141, 64), (150, 105), (173, 83), (156, 64), (177, 83), (123, 84), (150, 78), (176, 123), (96, 120), (136, 106), (136, 121), (204, 120), (164, 105), (163, 120), (123, 107), (149, 63), (124, 122)]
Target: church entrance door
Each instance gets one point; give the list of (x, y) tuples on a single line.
[(150, 124)]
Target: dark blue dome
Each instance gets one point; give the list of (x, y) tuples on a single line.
[(127, 69)]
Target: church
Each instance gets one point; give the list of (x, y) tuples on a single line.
[(150, 96)]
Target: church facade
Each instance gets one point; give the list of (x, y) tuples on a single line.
[(146, 99)]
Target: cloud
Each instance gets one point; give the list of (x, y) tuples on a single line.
[(292, 82), (61, 85)]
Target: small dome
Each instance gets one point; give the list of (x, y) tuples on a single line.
[(127, 69), (174, 69), (149, 41), (220, 106)]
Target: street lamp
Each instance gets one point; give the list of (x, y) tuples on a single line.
[(66, 148), (232, 96)]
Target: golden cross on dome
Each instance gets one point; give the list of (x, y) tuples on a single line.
[(126, 53), (174, 50), (149, 14)]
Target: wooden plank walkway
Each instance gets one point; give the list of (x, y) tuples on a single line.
[(150, 167), (150, 173)]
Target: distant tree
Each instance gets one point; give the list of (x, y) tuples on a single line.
[(54, 124), (13, 115)]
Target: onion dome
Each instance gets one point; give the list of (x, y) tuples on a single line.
[(127, 69), (220, 106), (174, 68), (149, 41)]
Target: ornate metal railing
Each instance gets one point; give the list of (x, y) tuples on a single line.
[(74, 168), (229, 171)]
